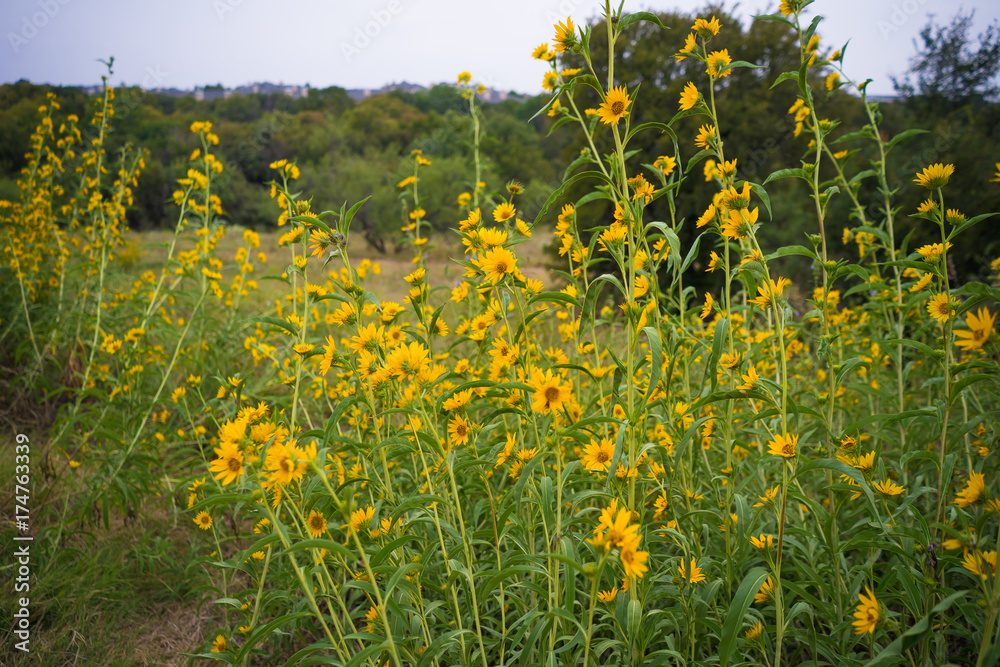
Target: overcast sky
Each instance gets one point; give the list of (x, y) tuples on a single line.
[(369, 43)]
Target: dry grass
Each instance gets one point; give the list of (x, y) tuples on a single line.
[(388, 284)]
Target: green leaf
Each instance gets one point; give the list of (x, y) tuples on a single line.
[(968, 380), (789, 173), (787, 250), (914, 635), (656, 361), (718, 340), (558, 192), (843, 469), (641, 16), (905, 134), (737, 610)]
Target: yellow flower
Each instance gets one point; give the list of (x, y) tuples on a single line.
[(783, 445), (689, 96), (644, 190), (769, 292), (285, 462), (203, 520), (550, 81), (867, 614), (497, 263), (504, 212), (832, 79), (565, 36), (762, 542), (408, 361), (706, 310), (465, 77), (935, 176), (765, 592), (666, 164), (550, 391), (980, 327), (706, 217), (228, 467), (718, 63), (361, 517), (924, 281), (888, 488), (458, 429), (707, 29), (769, 495), (750, 379), (542, 52), (973, 490), (691, 574), (940, 307), (219, 644), (633, 561), (754, 631), (615, 106), (932, 252), (598, 455), (316, 523), (981, 563), (705, 134), (608, 596), (690, 43)]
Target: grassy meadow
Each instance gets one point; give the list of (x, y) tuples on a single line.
[(528, 440)]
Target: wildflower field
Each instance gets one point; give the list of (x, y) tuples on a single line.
[(503, 465)]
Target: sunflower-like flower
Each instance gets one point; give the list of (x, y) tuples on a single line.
[(707, 28), (285, 462), (690, 573), (888, 488), (459, 430), (361, 517), (867, 614), (608, 596), (766, 591), (783, 445), (497, 263), (615, 106), (598, 455), (973, 490), (550, 391), (633, 561), (565, 37), (718, 63), (980, 327), (940, 307), (935, 176), (770, 291), (316, 523), (982, 564), (689, 96), (203, 520), (228, 467)]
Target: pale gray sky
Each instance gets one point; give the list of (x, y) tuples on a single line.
[(369, 43)]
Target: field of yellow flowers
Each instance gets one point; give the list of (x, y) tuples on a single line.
[(610, 469)]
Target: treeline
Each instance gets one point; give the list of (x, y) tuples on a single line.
[(349, 150)]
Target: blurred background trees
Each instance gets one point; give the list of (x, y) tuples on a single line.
[(348, 149)]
